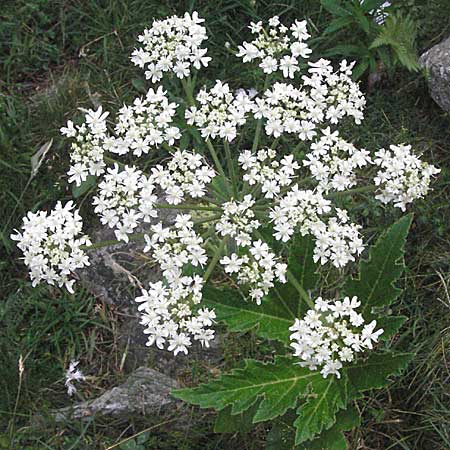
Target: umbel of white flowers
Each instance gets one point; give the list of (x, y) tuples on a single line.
[(331, 334), (258, 184)]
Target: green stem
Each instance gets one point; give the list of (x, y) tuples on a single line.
[(231, 168), (303, 294), (189, 207), (215, 259), (138, 236), (359, 190), (188, 91), (260, 121), (215, 158)]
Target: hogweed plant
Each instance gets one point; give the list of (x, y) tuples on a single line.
[(260, 200)]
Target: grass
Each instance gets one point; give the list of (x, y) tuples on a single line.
[(60, 55)]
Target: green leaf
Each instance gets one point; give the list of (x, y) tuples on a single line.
[(390, 325), (232, 423), (301, 262), (85, 186), (375, 285), (399, 33), (319, 411), (333, 439), (282, 433), (334, 7), (139, 85), (360, 68), (373, 373), (278, 384), (338, 24), (271, 319)]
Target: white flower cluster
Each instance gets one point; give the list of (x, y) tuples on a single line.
[(403, 177), (172, 45), (238, 221), (118, 200), (168, 306), (87, 151), (186, 174), (325, 96), (145, 124), (278, 48), (336, 240), (333, 161), (51, 244), (220, 112), (262, 168), (332, 334), (258, 270)]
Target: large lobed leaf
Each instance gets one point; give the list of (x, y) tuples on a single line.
[(278, 384), (375, 285), (271, 319)]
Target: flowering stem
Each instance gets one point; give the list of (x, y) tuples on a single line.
[(188, 92), (215, 259), (215, 158), (303, 294), (190, 207), (359, 190), (231, 167), (260, 121), (108, 243)]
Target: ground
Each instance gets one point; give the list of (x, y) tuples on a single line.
[(60, 55)]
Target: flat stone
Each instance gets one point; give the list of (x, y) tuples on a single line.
[(145, 392), (437, 62)]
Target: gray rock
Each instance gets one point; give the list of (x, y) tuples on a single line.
[(145, 392), (116, 274), (437, 62)]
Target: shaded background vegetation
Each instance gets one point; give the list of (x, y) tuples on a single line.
[(59, 55)]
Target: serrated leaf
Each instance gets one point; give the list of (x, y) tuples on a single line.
[(271, 319), (333, 439), (390, 325), (399, 33), (373, 373), (78, 191), (278, 384), (301, 262), (319, 411), (232, 423), (375, 285), (282, 433)]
